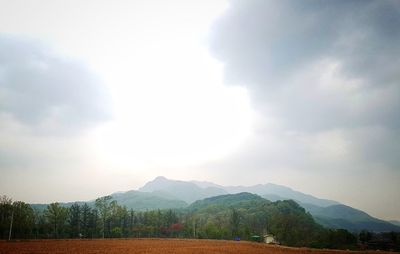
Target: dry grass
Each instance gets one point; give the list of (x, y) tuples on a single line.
[(151, 246)]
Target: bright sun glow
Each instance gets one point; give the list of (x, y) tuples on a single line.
[(170, 105)]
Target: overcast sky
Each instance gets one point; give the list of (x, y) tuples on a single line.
[(103, 96)]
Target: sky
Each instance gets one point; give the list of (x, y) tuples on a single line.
[(103, 96)]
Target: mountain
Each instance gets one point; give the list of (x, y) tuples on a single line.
[(42, 207), (163, 193), (186, 191), (141, 201), (274, 197), (395, 222), (342, 216), (279, 192), (328, 213), (136, 200), (228, 200), (196, 190), (205, 184), (272, 192), (245, 214)]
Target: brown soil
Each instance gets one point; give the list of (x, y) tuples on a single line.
[(152, 246)]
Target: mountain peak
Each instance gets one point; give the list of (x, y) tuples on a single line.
[(186, 191), (160, 178), (158, 183)]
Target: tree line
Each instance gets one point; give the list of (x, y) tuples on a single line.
[(105, 218)]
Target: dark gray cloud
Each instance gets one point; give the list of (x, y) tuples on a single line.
[(325, 77), (272, 47), (40, 89)]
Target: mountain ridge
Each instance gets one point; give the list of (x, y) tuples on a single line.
[(206, 189), (327, 212), (163, 193)]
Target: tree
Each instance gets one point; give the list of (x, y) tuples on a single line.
[(131, 221), (41, 227), (176, 229), (56, 216), (5, 216), (118, 221), (103, 205), (85, 214), (74, 220), (235, 220), (23, 220), (92, 223), (365, 236)]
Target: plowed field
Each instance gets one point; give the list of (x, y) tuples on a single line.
[(151, 246)]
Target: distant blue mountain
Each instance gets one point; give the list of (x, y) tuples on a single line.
[(342, 216), (278, 192), (272, 192), (395, 222)]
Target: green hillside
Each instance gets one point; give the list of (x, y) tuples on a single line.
[(246, 215), (239, 200)]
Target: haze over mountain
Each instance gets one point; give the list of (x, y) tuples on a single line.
[(342, 216), (163, 193), (395, 222), (195, 190), (329, 213), (186, 191), (136, 200)]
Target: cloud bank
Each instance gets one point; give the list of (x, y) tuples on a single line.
[(317, 57), (324, 78)]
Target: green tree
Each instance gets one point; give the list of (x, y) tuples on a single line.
[(104, 207), (41, 227), (56, 216), (85, 214), (23, 220), (365, 236), (235, 221), (74, 220), (5, 216), (132, 219), (92, 223)]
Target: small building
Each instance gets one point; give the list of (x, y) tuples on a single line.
[(256, 238), (270, 239)]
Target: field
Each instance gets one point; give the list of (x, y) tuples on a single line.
[(150, 246)]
